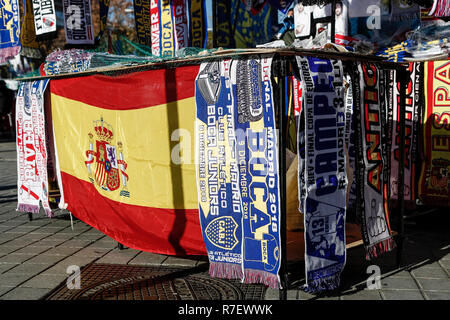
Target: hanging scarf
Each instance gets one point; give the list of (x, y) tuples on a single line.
[(434, 183), (250, 30), (350, 143), (78, 22), (104, 8), (220, 205), (373, 188), (223, 25), (441, 8), (31, 148), (44, 19), (411, 106), (147, 29), (256, 142), (10, 30), (325, 172), (30, 47), (198, 30)]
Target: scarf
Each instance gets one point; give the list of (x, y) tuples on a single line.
[(78, 22), (411, 118), (44, 19), (441, 8), (237, 170), (256, 142), (31, 148), (10, 41), (30, 48), (324, 172), (198, 31), (250, 30), (104, 8), (220, 206), (223, 25), (372, 174), (350, 143), (434, 178)]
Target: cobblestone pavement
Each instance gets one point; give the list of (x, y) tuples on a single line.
[(35, 255)]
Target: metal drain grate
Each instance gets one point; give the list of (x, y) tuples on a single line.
[(125, 282)]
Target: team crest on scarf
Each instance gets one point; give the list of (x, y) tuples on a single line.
[(106, 165)]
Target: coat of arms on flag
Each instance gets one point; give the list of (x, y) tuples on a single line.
[(106, 165)]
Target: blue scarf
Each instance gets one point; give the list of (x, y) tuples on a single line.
[(237, 171), (10, 30), (220, 205), (325, 172), (258, 169)]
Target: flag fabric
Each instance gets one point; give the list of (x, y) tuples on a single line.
[(124, 152), (31, 148), (324, 172), (78, 22), (9, 30), (372, 177), (219, 195), (44, 19), (434, 182)]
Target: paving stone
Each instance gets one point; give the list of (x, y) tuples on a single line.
[(15, 258), (77, 243), (31, 250), (92, 252), (176, 261), (61, 267), (44, 281), (435, 284), (13, 280), (438, 295), (148, 258), (4, 290), (271, 294), (62, 251), (5, 249), (46, 259), (362, 295), (5, 267), (119, 256), (29, 268), (432, 273), (398, 283), (25, 294), (402, 295)]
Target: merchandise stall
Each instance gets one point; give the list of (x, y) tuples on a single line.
[(132, 146)]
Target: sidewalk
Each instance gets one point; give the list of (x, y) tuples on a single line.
[(34, 256)]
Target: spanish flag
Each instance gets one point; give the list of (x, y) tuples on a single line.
[(125, 149)]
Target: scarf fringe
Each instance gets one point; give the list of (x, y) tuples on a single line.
[(49, 212), (7, 53), (31, 52), (329, 283), (375, 250), (264, 277), (225, 270), (22, 207)]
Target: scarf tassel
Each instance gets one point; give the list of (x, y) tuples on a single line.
[(331, 282), (7, 53), (28, 208), (225, 270), (377, 249), (259, 276)]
